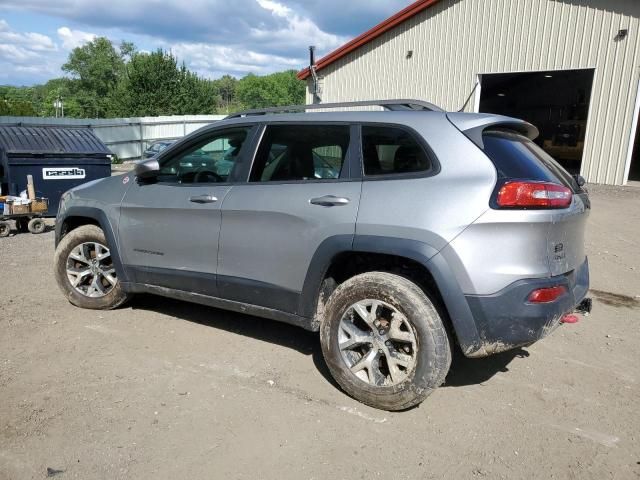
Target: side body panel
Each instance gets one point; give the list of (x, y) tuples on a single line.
[(168, 240), (435, 209), (270, 233)]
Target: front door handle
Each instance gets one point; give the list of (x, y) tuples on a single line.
[(329, 201), (203, 199)]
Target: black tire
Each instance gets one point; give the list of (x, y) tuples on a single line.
[(86, 233), (433, 348), (22, 225), (36, 225), (5, 229)]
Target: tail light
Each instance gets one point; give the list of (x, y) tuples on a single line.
[(519, 194), (547, 295)]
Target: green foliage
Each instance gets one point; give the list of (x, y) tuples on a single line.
[(155, 85), (105, 81), (277, 89), (17, 101), (97, 68)]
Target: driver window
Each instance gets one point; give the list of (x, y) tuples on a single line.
[(210, 161)]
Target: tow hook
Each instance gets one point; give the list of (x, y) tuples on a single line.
[(584, 307)]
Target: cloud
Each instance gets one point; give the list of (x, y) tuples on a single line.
[(74, 38), (22, 46), (295, 29), (25, 53), (212, 37), (213, 61), (347, 17)]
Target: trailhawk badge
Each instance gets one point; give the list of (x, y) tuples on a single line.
[(65, 173)]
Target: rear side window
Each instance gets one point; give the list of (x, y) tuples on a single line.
[(517, 157), (301, 153), (389, 150)]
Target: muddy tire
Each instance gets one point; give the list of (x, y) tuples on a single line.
[(36, 226), (5, 229), (84, 270), (384, 341)]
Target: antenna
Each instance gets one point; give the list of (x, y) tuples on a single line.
[(469, 97)]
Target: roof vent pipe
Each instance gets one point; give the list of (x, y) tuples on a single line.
[(315, 89)]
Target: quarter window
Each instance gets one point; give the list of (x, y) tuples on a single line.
[(389, 150), (210, 161), (301, 153)]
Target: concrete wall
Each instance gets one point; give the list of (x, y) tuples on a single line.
[(454, 41), (128, 137)]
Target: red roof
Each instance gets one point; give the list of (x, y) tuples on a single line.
[(370, 35)]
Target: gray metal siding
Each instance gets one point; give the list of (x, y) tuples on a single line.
[(455, 40)]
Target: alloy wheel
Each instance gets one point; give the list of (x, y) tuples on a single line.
[(90, 269), (377, 343)]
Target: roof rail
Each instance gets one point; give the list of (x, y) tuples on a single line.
[(402, 104)]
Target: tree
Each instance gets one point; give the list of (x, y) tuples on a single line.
[(155, 85), (282, 88), (227, 87), (97, 68), (106, 81)]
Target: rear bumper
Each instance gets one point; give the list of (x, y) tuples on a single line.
[(505, 320)]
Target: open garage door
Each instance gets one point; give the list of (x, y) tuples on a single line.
[(557, 102), (634, 170)]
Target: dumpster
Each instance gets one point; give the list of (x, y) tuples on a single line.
[(58, 158)]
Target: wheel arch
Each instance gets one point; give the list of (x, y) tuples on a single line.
[(75, 217), (427, 268)]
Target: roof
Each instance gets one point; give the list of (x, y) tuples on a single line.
[(383, 27), (47, 139)]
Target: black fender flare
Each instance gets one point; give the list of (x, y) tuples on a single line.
[(460, 314), (101, 218)]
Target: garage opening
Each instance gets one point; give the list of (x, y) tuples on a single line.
[(557, 102)]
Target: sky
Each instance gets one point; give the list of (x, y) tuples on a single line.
[(213, 37)]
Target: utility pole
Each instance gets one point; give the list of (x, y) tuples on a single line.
[(59, 106)]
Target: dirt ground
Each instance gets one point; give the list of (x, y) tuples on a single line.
[(165, 389)]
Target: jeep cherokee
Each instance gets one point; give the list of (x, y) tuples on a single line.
[(395, 233)]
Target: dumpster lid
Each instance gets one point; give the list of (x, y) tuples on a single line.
[(50, 139)]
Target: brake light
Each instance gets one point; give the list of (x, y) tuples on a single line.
[(547, 295), (520, 194)]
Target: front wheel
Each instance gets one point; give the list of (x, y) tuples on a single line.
[(85, 271), (384, 341)]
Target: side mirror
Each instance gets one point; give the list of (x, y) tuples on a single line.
[(579, 180), (147, 168)]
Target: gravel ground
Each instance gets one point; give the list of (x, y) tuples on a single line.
[(165, 389)]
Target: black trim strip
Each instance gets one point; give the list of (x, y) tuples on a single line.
[(211, 301)]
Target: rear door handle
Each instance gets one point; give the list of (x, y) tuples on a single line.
[(329, 201), (203, 199)]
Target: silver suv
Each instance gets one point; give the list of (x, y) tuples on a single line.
[(396, 234)]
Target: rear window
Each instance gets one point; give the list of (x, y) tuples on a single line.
[(517, 157)]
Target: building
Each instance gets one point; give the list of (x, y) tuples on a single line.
[(571, 67)]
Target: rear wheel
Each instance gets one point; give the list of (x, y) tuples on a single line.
[(384, 341), (5, 229), (36, 225), (85, 271)]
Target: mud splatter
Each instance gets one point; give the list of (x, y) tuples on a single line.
[(615, 299)]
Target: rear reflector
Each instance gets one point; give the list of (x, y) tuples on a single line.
[(546, 295), (517, 194)]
